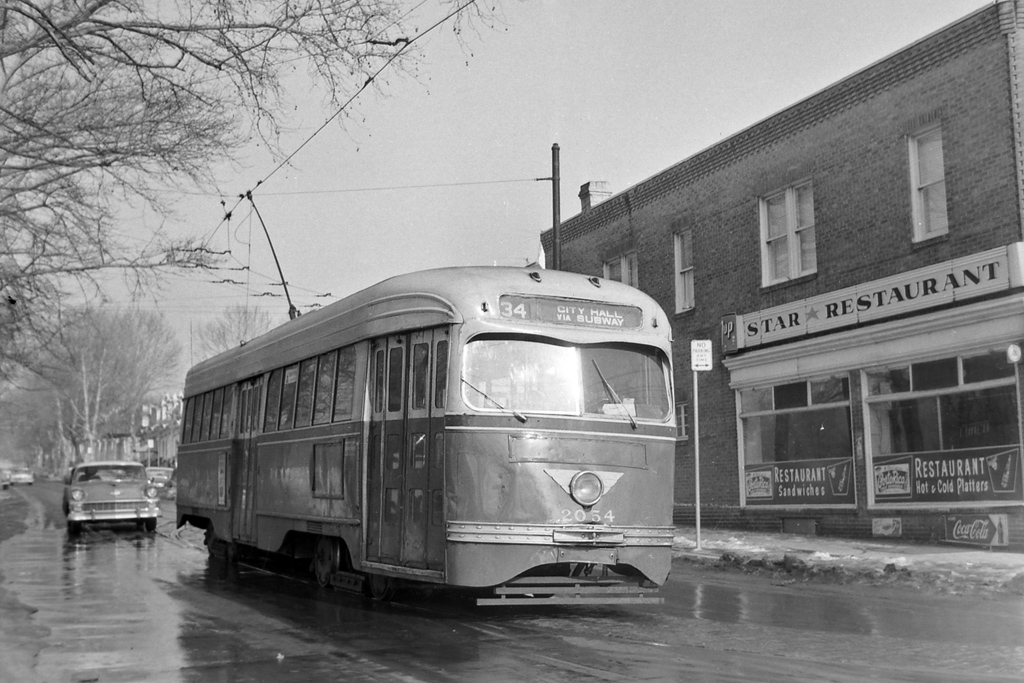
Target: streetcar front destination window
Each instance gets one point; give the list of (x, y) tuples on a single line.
[(535, 376)]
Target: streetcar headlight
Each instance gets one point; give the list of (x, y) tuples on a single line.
[(151, 492), (77, 495), (586, 488)]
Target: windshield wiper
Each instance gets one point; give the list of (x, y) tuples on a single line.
[(611, 392), (515, 413)]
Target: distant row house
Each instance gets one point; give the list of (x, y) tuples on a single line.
[(857, 261), (152, 435)]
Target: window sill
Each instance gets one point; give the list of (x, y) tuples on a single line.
[(765, 289), (929, 242), (684, 312)]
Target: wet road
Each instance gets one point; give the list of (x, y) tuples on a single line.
[(121, 605)]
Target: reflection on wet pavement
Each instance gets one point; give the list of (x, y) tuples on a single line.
[(101, 613), (117, 605)]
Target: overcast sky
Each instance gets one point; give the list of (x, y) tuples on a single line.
[(440, 169)]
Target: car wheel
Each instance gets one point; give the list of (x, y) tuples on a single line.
[(74, 528), (150, 525)]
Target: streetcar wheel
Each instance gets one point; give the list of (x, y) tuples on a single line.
[(326, 560), (380, 588)]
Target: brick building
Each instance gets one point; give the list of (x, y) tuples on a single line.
[(857, 260)]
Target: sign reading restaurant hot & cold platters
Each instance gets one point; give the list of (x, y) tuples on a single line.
[(981, 474)]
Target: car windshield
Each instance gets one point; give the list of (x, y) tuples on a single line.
[(159, 472), (110, 473), (538, 376)]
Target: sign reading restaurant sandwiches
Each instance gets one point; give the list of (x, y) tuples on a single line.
[(828, 481), (956, 280)]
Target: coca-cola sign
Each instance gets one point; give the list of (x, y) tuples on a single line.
[(985, 530)]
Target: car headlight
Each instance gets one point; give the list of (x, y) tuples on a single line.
[(586, 488), (151, 492), (77, 495)]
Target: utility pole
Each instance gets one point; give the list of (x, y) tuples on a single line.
[(556, 211)]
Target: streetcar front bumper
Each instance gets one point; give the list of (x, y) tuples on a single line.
[(554, 534), (488, 554)]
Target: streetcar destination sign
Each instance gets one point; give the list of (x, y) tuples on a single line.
[(570, 312)]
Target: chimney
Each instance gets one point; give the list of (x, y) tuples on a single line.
[(593, 193)]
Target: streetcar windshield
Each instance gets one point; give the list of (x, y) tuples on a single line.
[(533, 376)]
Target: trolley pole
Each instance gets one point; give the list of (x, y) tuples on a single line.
[(700, 361)]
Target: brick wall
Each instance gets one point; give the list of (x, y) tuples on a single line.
[(851, 142)]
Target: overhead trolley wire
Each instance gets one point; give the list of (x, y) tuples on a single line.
[(370, 79)]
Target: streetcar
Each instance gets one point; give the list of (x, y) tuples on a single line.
[(506, 431)]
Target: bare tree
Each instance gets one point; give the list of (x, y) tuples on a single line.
[(101, 368), (237, 325), (106, 101)]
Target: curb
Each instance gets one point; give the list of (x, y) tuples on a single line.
[(789, 569)]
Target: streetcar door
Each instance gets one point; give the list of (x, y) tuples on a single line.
[(387, 436), (423, 532), (375, 450), (406, 466), (250, 400)]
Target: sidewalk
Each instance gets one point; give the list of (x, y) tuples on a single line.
[(795, 558)]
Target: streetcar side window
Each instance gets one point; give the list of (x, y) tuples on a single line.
[(395, 367), (420, 375), (345, 386), (328, 470), (304, 400), (324, 388), (378, 381), (273, 400), (218, 401), (204, 426), (186, 423), (227, 423), (197, 420), (244, 419), (291, 381), (441, 374)]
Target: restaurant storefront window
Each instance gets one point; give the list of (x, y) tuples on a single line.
[(797, 445), (944, 431)]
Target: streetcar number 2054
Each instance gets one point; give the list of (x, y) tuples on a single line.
[(570, 516)]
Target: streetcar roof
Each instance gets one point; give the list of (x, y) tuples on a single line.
[(405, 302)]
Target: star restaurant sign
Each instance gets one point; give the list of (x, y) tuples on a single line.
[(944, 283)]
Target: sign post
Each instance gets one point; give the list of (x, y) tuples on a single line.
[(700, 361)]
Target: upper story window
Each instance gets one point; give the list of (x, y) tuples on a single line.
[(682, 429), (928, 184), (622, 268), (684, 270), (787, 235)]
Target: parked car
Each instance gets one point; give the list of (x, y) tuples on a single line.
[(5, 479), (110, 492), (162, 478), (22, 475)]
